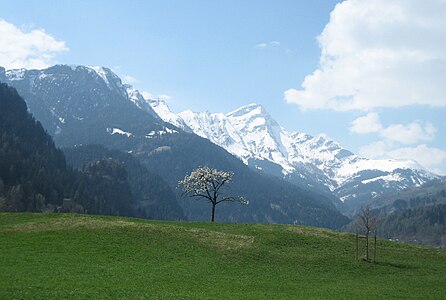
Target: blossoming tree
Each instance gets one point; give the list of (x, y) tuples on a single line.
[(208, 184)]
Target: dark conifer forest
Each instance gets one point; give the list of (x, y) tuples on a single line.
[(33, 172)]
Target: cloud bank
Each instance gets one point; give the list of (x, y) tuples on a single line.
[(35, 49), (411, 133), (401, 141), (430, 158), (379, 53)]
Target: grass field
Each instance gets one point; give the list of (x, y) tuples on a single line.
[(60, 256)]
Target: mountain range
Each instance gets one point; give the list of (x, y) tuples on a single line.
[(252, 134), (85, 105), (81, 105)]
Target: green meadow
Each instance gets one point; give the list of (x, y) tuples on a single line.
[(71, 256)]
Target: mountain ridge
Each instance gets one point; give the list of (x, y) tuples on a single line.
[(251, 134)]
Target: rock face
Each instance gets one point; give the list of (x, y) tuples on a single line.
[(80, 105), (83, 105), (251, 134)]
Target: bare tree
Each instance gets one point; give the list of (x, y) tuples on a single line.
[(208, 184), (367, 221)]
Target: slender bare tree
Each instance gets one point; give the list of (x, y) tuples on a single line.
[(367, 222), (208, 184)]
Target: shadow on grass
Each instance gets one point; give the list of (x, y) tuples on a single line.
[(395, 265)]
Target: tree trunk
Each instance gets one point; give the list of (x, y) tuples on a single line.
[(213, 212), (367, 246), (374, 250)]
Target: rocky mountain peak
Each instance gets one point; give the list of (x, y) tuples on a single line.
[(68, 99), (253, 135), (251, 109)]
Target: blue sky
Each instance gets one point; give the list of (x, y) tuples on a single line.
[(368, 76)]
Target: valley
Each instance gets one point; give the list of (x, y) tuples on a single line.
[(195, 149)]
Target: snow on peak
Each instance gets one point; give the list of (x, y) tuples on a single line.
[(250, 133), (201, 123), (159, 104), (102, 72), (138, 99), (162, 110), (16, 74), (73, 67), (135, 96), (251, 109), (111, 80)]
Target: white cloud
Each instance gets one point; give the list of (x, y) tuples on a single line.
[(428, 157), (366, 124), (378, 54), (35, 49), (409, 134), (164, 97), (272, 44), (148, 95), (129, 79), (433, 159), (261, 45), (374, 150)]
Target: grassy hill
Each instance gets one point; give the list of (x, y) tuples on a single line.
[(60, 256)]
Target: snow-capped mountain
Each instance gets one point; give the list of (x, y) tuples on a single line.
[(161, 108), (135, 96), (80, 105), (259, 141), (83, 104)]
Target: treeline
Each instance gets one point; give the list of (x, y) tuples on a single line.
[(421, 225), (416, 216)]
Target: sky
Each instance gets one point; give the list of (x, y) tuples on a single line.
[(369, 74)]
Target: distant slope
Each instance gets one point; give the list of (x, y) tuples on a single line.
[(89, 105), (68, 256), (428, 194), (421, 225), (416, 215)]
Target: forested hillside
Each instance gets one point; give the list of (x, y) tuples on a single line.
[(415, 215), (421, 225), (35, 177), (154, 198), (33, 173)]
